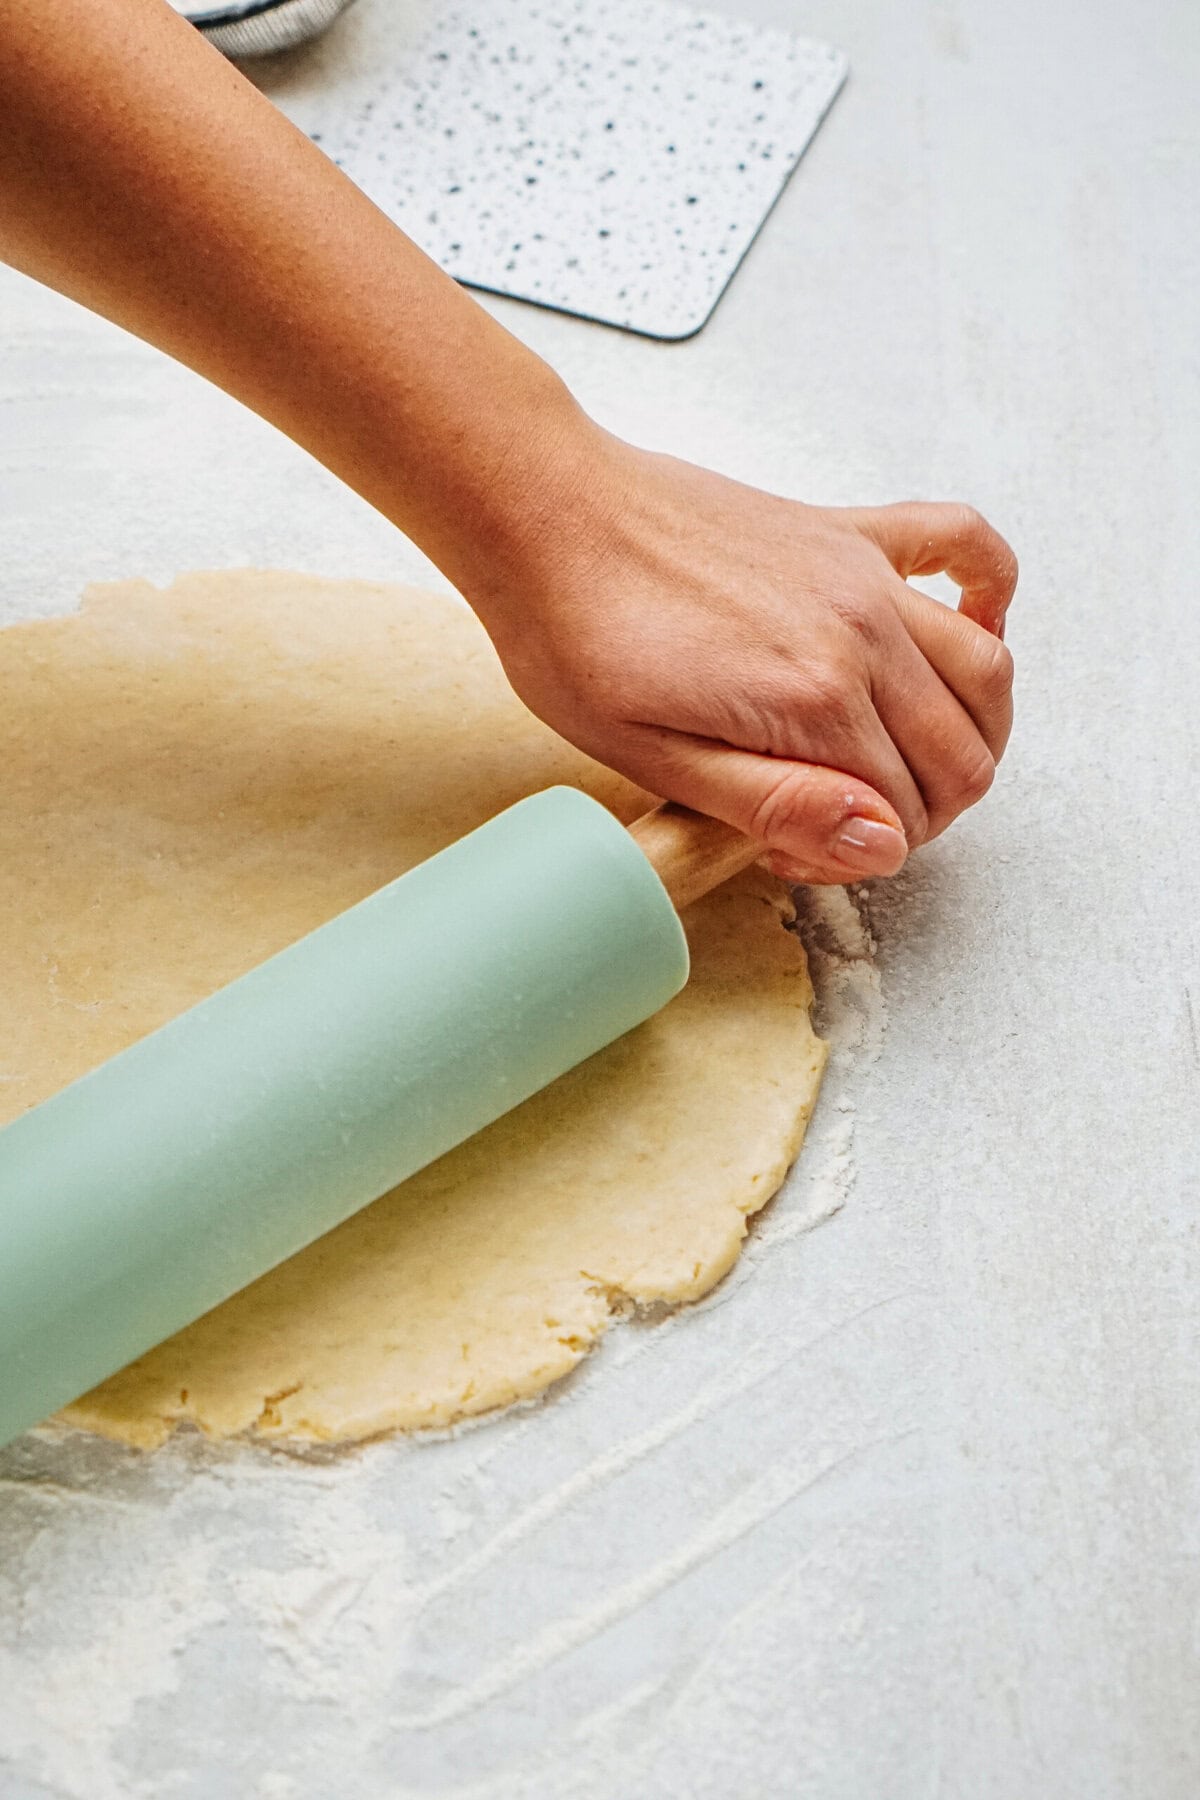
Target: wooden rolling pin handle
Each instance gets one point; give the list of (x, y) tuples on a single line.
[(691, 854)]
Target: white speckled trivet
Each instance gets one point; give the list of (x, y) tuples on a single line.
[(611, 158)]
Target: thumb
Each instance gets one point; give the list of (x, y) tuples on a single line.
[(820, 825)]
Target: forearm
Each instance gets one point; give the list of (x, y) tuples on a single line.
[(142, 175), (755, 658)]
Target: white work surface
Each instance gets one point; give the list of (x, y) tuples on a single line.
[(911, 1507)]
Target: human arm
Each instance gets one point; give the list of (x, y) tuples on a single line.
[(749, 655)]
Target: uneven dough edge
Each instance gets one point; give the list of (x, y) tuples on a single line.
[(292, 686), (596, 1308)]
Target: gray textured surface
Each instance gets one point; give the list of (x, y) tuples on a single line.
[(911, 1508)]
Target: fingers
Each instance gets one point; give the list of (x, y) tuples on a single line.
[(873, 755), (826, 719), (924, 537), (974, 665), (946, 752), (822, 826)]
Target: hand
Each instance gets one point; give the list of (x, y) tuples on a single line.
[(760, 660), (765, 661)]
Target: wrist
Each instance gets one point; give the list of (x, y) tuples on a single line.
[(525, 503)]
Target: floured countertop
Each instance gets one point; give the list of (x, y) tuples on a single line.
[(907, 1506), (378, 1586)]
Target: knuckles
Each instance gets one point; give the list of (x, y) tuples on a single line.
[(974, 775), (867, 614), (829, 697), (965, 520), (993, 667), (785, 812)]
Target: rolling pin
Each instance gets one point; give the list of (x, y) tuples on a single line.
[(182, 1169)]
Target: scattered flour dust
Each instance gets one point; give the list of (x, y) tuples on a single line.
[(850, 1015), (142, 1595)]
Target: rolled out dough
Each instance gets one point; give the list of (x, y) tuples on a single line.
[(194, 778)]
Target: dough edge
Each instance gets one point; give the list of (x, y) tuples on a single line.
[(281, 1414)]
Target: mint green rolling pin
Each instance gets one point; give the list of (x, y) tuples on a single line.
[(174, 1174)]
